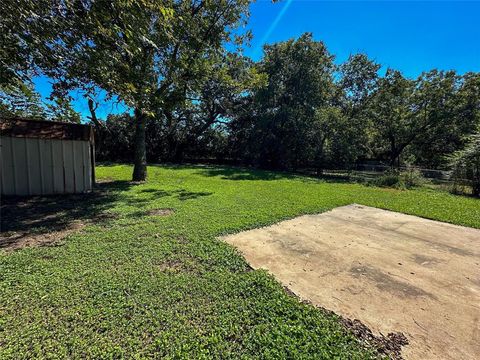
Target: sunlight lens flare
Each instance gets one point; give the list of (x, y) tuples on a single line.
[(273, 26)]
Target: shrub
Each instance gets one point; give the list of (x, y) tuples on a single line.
[(390, 178), (412, 178), (400, 179), (465, 165)]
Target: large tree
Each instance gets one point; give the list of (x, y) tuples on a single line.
[(146, 53), (452, 104), (288, 109), (390, 109), (357, 83), (211, 104), (424, 119)]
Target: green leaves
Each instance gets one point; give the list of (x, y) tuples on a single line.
[(465, 165)]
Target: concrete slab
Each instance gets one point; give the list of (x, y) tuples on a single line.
[(393, 272)]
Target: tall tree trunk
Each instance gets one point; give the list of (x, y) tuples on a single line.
[(99, 130), (140, 160), (393, 152)]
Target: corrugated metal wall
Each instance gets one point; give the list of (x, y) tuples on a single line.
[(44, 166)]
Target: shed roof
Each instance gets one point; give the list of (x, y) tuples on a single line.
[(45, 129)]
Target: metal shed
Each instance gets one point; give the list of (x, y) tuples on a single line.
[(41, 157)]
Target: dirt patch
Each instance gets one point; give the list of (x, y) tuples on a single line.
[(17, 240), (37, 221), (172, 266), (395, 273), (161, 212)]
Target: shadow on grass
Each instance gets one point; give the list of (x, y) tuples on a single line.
[(236, 173), (226, 172), (180, 194), (33, 216), (37, 219)]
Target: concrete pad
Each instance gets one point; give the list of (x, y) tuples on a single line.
[(393, 272)]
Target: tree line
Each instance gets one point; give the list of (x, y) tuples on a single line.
[(178, 66)]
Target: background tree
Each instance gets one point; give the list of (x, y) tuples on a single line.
[(21, 100), (434, 97), (358, 81), (300, 83), (457, 108), (394, 124), (210, 105), (465, 164)]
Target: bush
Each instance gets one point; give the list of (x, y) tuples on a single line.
[(412, 178), (390, 178), (400, 179), (465, 165)]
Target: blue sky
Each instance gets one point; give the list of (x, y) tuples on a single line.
[(408, 36)]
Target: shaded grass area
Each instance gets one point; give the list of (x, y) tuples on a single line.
[(135, 284), (50, 213)]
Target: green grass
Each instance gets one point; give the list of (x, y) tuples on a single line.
[(133, 285)]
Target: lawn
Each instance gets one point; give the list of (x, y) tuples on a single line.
[(134, 283)]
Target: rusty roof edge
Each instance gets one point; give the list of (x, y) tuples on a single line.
[(3, 118), (45, 129)]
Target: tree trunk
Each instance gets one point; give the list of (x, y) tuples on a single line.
[(178, 156), (140, 160), (99, 130), (476, 180), (393, 151)]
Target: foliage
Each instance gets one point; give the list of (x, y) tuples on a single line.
[(412, 177), (390, 178), (149, 54), (393, 122), (358, 82), (312, 114), (450, 106), (400, 179), (117, 141), (424, 118), (291, 121), (134, 285), (262, 115), (27, 27), (22, 100), (359, 79), (60, 109), (203, 115), (465, 165)]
